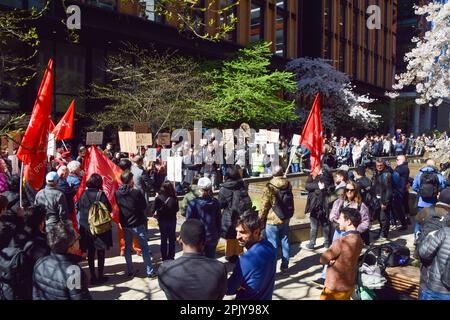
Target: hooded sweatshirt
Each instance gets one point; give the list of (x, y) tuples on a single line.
[(207, 210), (132, 207)]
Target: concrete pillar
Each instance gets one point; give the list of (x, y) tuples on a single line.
[(426, 122), (392, 117), (416, 120)]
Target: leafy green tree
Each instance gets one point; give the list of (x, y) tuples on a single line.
[(246, 90)]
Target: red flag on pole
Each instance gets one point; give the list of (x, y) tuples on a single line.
[(33, 149), (97, 162), (64, 128), (51, 126), (312, 136)]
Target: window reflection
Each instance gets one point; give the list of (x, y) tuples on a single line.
[(256, 23)]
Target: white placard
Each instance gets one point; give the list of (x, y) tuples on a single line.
[(14, 164), (270, 149), (51, 146), (150, 154), (127, 140), (273, 136), (296, 140), (203, 142), (261, 137), (174, 169), (165, 154)]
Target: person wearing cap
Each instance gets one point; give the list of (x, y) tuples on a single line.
[(207, 209), (193, 276), (53, 200)]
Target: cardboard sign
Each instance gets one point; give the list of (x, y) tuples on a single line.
[(273, 136), (165, 154), (228, 136), (51, 146), (270, 149), (94, 138), (174, 166), (144, 139), (150, 155), (296, 140), (141, 127), (127, 140), (163, 139)]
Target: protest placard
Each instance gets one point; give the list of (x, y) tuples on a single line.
[(144, 139), (141, 127), (127, 140), (174, 169), (51, 146), (261, 137), (273, 136), (165, 154), (163, 139), (296, 140), (14, 163), (270, 149), (203, 142), (94, 138), (150, 155)]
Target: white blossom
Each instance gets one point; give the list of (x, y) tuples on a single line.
[(429, 62), (339, 100)]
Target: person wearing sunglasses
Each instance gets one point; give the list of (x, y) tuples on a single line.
[(351, 198)]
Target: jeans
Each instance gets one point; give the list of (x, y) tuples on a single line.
[(295, 167), (210, 250), (430, 295), (314, 228), (280, 232), (167, 228), (141, 234)]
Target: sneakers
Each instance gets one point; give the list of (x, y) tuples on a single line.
[(152, 275), (309, 246)]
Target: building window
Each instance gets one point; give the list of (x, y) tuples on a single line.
[(257, 22), (342, 18), (104, 4), (281, 29), (282, 4), (148, 12), (327, 15), (225, 18)]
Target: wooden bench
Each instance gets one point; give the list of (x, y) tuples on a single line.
[(404, 280)]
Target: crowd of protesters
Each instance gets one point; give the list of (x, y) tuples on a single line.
[(345, 206)]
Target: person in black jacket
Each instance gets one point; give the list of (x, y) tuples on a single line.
[(319, 189), (193, 276), (132, 206), (58, 276), (34, 218), (166, 208), (382, 193), (400, 196), (233, 188), (94, 243)]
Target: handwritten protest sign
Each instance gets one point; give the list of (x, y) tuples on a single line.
[(150, 155), (163, 139), (174, 166), (94, 138), (127, 140), (144, 139), (141, 127)]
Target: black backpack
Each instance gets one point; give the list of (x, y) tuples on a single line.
[(284, 203), (16, 273), (240, 203), (429, 185)]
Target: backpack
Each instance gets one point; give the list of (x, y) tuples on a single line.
[(284, 203), (99, 217), (240, 203), (431, 223), (16, 272), (429, 185)]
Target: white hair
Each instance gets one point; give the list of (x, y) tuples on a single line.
[(73, 166)]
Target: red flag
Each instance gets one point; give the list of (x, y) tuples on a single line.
[(33, 149), (51, 126), (312, 136), (96, 162), (64, 128)]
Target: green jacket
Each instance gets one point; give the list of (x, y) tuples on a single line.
[(188, 197)]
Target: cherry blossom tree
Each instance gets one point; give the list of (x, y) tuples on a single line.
[(429, 62), (339, 100)]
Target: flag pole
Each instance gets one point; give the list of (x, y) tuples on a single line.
[(64, 145), (21, 185)]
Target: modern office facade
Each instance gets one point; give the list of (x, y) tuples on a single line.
[(331, 29)]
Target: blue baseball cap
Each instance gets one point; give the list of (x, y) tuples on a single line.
[(52, 177)]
